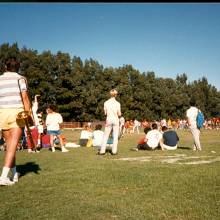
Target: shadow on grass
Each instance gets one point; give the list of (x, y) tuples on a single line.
[(30, 167), (184, 148)]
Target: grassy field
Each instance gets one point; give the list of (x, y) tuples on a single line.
[(177, 185)]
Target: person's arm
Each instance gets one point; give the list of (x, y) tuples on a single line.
[(105, 110), (60, 120), (26, 101), (161, 143), (119, 110)]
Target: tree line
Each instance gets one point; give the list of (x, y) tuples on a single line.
[(79, 88)]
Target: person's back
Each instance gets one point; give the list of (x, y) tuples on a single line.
[(191, 114), (170, 138), (153, 137), (97, 136), (112, 107)]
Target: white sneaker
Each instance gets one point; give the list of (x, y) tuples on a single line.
[(5, 182), (15, 177), (64, 150), (31, 151)]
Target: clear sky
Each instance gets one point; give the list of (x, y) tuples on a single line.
[(167, 38)]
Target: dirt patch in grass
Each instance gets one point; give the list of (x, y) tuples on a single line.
[(175, 159)]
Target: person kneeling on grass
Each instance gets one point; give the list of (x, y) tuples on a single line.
[(169, 140), (152, 139)]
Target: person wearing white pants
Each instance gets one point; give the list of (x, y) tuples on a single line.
[(191, 115), (112, 109)]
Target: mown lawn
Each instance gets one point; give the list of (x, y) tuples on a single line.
[(80, 184)]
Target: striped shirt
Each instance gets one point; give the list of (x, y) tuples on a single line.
[(10, 96)]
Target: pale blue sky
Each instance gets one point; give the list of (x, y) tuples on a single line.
[(167, 38)]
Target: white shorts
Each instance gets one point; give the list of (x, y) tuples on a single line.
[(40, 129)]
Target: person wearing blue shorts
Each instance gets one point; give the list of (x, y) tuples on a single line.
[(53, 121)]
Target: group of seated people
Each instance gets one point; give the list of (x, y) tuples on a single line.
[(166, 139), (89, 138)]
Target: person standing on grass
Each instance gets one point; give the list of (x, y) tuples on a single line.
[(38, 120), (11, 104), (191, 115), (53, 121), (112, 109)]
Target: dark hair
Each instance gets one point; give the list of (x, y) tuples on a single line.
[(154, 126), (12, 64), (52, 107), (164, 128), (147, 129), (98, 127), (192, 101)]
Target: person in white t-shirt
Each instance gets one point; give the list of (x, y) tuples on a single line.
[(85, 135), (112, 109), (97, 136), (191, 115), (53, 121), (152, 139)]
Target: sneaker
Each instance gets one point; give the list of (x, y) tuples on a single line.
[(64, 150), (100, 153), (134, 149), (5, 182), (15, 177), (113, 154), (31, 151)]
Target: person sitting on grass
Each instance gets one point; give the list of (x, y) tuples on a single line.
[(152, 139), (97, 136), (169, 140), (85, 135), (142, 141)]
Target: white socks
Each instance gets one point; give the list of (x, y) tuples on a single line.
[(5, 172)]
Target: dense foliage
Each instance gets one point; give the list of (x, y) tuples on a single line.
[(79, 88)]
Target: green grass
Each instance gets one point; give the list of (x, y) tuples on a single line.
[(82, 185)]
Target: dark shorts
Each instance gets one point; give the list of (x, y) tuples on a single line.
[(143, 147), (50, 132), (83, 142)]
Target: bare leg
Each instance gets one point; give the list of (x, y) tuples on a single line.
[(12, 137)]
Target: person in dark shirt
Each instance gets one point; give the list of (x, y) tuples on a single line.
[(170, 139)]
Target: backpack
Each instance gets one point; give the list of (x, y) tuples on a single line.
[(200, 119)]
